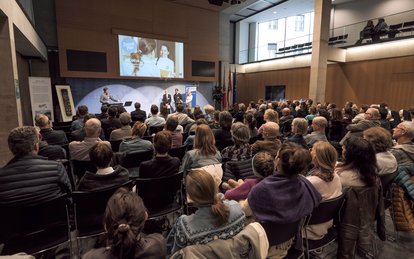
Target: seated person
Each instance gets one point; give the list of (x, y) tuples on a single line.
[(367, 32), (125, 130), (138, 114), (270, 143), (299, 128), (191, 134), (78, 122), (29, 178), (124, 219), (325, 181), (215, 217), (176, 136), (380, 28), (263, 166), (105, 176), (285, 196), (241, 149), (51, 136), (79, 134), (135, 143), (162, 164)]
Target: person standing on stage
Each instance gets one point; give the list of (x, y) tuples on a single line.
[(188, 99), (105, 96), (166, 100), (178, 98)]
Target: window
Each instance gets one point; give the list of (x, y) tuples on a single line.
[(299, 23), (273, 25)]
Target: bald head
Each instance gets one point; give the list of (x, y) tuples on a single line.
[(270, 130), (372, 114), (93, 128), (319, 123), (42, 121), (285, 111)]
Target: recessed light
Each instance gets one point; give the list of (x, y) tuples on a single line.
[(274, 12)]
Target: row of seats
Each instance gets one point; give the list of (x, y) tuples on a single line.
[(308, 45)]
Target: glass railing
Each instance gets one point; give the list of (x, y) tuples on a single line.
[(401, 25)]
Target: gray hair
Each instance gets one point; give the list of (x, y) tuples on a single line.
[(92, 127), (409, 128), (301, 125), (22, 140)]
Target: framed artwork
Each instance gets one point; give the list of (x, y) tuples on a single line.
[(67, 108)]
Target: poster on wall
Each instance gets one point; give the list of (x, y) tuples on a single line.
[(67, 108), (190, 96), (41, 96)]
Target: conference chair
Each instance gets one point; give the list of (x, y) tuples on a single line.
[(327, 210), (161, 196), (89, 209), (178, 152), (155, 129), (35, 229), (278, 233), (238, 170), (80, 167), (133, 160), (115, 144)]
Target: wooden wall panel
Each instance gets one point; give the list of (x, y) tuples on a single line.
[(385, 80), (89, 25)]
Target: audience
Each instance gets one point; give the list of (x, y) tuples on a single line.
[(215, 217), (79, 134), (135, 143), (154, 120), (28, 178), (125, 130), (262, 165), (105, 176), (78, 123), (241, 149), (381, 140), (176, 136), (223, 135), (325, 181), (104, 112), (404, 149), (111, 123), (251, 122), (138, 114), (270, 115), (52, 137), (162, 164), (372, 117), (319, 125), (124, 220), (182, 117), (79, 150), (285, 196), (270, 143), (299, 129)]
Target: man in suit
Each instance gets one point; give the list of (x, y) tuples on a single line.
[(52, 137), (166, 99), (138, 114), (178, 98)]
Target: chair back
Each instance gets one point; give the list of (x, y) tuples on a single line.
[(386, 182), (327, 210), (34, 228), (115, 144), (133, 160), (155, 129), (89, 209), (178, 152), (160, 194), (79, 168), (149, 138), (278, 233), (238, 169), (223, 143)]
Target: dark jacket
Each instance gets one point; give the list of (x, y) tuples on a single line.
[(364, 206), (92, 181), (298, 139), (32, 179), (52, 152), (54, 137), (159, 167), (109, 124), (138, 115), (238, 170)]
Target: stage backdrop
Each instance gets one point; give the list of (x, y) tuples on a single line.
[(88, 91)]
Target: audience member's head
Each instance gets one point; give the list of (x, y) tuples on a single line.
[(202, 190), (125, 118), (180, 107), (101, 155), (216, 116), (285, 111), (172, 123), (358, 154), (240, 133), (292, 159), (204, 140), (250, 120), (270, 130), (404, 132), (299, 126), (372, 114), (336, 114), (82, 110), (242, 107), (162, 142), (324, 157), (124, 219), (104, 109), (23, 141), (113, 111), (137, 106), (208, 109), (88, 116), (263, 164), (42, 121), (93, 128), (225, 120), (271, 116), (139, 128), (154, 109), (379, 137), (319, 123)]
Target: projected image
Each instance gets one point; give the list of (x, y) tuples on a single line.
[(144, 57)]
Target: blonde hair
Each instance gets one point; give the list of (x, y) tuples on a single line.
[(139, 129), (325, 158), (204, 140), (271, 115)]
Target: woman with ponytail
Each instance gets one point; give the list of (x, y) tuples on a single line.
[(215, 218), (125, 216), (325, 180)]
